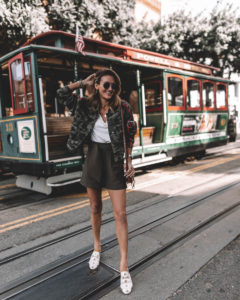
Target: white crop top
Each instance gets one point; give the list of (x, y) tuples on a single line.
[(100, 132)]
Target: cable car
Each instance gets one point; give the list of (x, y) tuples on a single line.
[(181, 107)]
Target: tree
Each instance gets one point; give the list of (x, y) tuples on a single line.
[(222, 42), (19, 20), (118, 22), (213, 40), (61, 14), (113, 20)]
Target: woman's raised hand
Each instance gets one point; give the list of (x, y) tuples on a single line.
[(90, 80)]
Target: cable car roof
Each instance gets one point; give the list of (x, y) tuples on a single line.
[(59, 41)]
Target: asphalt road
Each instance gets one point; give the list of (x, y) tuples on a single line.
[(28, 219), (219, 279)]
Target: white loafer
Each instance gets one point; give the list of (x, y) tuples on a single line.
[(94, 260), (126, 282)]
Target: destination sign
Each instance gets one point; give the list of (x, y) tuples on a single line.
[(172, 63)]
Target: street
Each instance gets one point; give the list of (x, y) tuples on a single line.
[(39, 232)]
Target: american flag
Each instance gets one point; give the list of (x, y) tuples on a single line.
[(79, 42)]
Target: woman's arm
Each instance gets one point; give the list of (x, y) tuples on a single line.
[(131, 128), (76, 85), (66, 98), (65, 95), (130, 125), (90, 80)]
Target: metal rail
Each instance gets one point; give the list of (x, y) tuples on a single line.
[(106, 221), (147, 260), (109, 284)]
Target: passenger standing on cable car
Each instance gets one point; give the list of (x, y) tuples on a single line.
[(97, 121)]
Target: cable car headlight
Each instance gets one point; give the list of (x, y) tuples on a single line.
[(10, 139)]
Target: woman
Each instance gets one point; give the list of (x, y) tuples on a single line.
[(97, 121)]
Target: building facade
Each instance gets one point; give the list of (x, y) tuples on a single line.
[(148, 10)]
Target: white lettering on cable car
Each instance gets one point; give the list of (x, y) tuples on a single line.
[(189, 138), (170, 62)]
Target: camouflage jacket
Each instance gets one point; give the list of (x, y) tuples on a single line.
[(85, 117)]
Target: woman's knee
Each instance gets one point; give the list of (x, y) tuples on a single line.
[(120, 216), (96, 208)]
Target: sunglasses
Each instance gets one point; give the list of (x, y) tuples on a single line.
[(107, 85)]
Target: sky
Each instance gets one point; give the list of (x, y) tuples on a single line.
[(195, 6)]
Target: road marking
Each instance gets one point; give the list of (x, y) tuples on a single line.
[(104, 193), (43, 216), (80, 204), (44, 213), (7, 186)]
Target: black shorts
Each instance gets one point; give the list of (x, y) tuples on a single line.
[(100, 170)]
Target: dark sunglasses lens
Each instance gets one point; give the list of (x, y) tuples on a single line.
[(106, 85)]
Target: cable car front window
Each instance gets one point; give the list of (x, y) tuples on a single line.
[(18, 85), (28, 79)]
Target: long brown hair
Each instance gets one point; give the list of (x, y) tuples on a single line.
[(93, 95)]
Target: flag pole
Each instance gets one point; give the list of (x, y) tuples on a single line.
[(75, 61), (79, 47)]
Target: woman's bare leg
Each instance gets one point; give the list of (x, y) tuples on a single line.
[(95, 197), (118, 198)]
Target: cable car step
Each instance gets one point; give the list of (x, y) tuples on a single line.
[(64, 179), (152, 159), (45, 185)]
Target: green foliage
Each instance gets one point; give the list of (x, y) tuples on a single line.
[(212, 40), (19, 20), (113, 20)]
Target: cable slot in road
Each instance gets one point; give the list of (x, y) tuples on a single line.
[(54, 274)]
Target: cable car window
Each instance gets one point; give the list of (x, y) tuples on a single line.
[(153, 94), (18, 85), (20, 74), (221, 95), (175, 91), (28, 80), (208, 94), (193, 93)]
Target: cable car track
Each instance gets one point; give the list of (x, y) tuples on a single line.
[(73, 260), (26, 198), (146, 261), (19, 199), (106, 221), (7, 194), (78, 232)]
